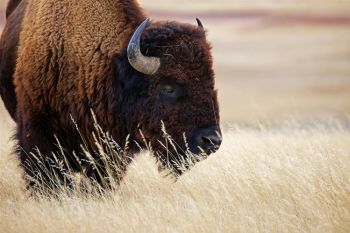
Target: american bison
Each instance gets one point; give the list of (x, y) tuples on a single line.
[(62, 59)]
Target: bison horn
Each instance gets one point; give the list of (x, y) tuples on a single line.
[(199, 23), (141, 63)]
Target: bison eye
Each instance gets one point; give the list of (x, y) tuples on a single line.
[(170, 91)]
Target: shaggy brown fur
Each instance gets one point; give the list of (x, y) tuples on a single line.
[(72, 59), (8, 54)]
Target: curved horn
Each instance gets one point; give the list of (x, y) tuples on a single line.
[(199, 23), (141, 63)]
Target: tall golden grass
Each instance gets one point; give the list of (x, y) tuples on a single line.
[(293, 177)]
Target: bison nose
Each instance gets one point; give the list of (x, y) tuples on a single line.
[(208, 140)]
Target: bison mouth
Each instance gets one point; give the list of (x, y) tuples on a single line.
[(180, 158), (179, 164)]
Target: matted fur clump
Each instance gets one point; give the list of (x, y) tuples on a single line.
[(290, 178)]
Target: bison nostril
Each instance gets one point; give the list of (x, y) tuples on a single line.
[(211, 140), (206, 140)]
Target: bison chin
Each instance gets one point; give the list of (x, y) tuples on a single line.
[(181, 155)]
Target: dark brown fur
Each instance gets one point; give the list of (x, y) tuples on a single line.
[(72, 59), (11, 6), (8, 54)]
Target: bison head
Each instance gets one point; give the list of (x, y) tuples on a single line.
[(167, 85)]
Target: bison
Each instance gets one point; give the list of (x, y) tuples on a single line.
[(60, 59)]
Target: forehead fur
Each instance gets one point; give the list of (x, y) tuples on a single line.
[(182, 48), (175, 40), (163, 31)]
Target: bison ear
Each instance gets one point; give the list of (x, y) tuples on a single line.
[(199, 23)]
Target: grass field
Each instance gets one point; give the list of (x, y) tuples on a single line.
[(290, 178), (283, 75)]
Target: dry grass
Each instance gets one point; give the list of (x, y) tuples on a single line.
[(288, 178)]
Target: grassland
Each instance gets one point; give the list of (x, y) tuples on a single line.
[(284, 92), (290, 178)]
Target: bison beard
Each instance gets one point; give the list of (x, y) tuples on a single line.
[(74, 58)]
